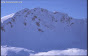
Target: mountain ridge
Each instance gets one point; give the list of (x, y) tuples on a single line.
[(27, 12)]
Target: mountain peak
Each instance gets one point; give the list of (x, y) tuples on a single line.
[(30, 27)]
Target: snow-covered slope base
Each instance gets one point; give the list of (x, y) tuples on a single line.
[(41, 30), (17, 51)]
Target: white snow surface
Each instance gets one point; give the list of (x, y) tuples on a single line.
[(7, 17), (14, 51), (68, 52)]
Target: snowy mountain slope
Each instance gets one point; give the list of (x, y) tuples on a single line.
[(6, 17), (41, 30)]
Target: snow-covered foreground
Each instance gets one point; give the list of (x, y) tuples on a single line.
[(16, 51), (41, 30), (11, 51)]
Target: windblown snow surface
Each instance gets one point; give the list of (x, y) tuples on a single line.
[(38, 31)]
